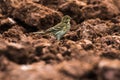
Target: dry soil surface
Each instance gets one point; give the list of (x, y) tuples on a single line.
[(89, 51)]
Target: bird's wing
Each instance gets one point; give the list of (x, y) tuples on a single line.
[(56, 28)]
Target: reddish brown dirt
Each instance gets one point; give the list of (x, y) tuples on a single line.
[(89, 51)]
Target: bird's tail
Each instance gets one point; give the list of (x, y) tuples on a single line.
[(39, 32)]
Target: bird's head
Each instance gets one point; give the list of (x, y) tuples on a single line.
[(66, 19)]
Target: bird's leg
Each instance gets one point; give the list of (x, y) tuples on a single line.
[(58, 37)]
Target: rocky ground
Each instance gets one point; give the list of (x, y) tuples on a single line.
[(89, 51)]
